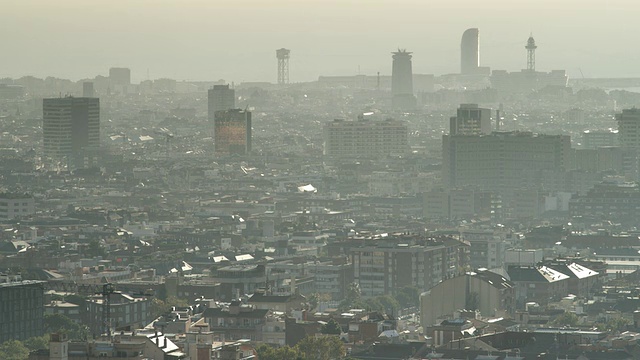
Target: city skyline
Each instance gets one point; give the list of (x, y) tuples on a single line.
[(324, 42)]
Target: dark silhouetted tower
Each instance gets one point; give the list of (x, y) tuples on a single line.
[(221, 98), (470, 51), (402, 80), (531, 54), (283, 65)]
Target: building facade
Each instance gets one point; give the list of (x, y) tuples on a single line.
[(364, 139), (471, 120), (388, 266), (21, 310), (71, 130), (14, 205), (232, 132), (502, 162), (220, 98)]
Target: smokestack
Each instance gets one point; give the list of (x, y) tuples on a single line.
[(498, 120)]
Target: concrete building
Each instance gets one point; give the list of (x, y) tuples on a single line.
[(461, 203), (21, 310), (471, 120), (502, 162), (611, 199), (237, 321), (629, 128), (232, 132), (364, 139), (526, 81), (390, 265), (127, 312), (540, 284), (15, 205), (238, 280), (332, 277), (88, 90), (470, 52), (71, 130), (120, 76), (220, 98), (402, 81), (487, 248), (593, 139), (490, 293)]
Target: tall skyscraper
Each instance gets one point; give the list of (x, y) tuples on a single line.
[(232, 132), (402, 81), (221, 98), (470, 52), (120, 76), (471, 120), (71, 130)]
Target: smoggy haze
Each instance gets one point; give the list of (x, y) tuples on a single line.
[(234, 40)]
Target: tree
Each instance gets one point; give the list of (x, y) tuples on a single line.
[(267, 352), (407, 297), (331, 328), (37, 343), (566, 319), (13, 350), (321, 348), (63, 324), (389, 304)]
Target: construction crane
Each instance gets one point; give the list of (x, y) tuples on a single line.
[(107, 290)]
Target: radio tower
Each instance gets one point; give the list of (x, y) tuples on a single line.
[(283, 66), (531, 53)]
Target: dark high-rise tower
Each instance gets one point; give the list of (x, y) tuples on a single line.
[(221, 98), (402, 80), (470, 51), (531, 54), (71, 130)]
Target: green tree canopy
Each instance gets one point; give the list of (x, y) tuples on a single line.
[(321, 348), (13, 350), (331, 327), (37, 343), (63, 324), (566, 319)]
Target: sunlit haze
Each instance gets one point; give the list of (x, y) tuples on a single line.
[(235, 40)]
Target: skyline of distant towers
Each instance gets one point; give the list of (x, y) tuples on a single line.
[(220, 98), (402, 80), (283, 65), (531, 53), (470, 51)]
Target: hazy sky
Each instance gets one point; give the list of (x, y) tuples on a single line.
[(236, 40)]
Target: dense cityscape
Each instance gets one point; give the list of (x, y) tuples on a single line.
[(483, 214)]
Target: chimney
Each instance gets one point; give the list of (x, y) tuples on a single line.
[(165, 342)]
